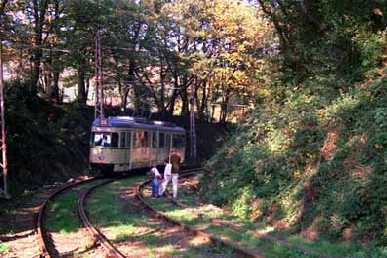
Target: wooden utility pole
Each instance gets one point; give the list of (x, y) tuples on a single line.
[(3, 138)]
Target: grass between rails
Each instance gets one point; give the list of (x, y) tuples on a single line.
[(112, 211), (252, 235), (4, 248), (63, 217)]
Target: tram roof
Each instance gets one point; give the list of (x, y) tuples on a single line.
[(137, 122)]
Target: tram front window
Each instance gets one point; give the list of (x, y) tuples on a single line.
[(105, 140), (178, 141)]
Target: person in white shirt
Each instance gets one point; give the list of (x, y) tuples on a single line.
[(167, 177)]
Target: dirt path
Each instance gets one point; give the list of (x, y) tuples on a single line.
[(17, 230)]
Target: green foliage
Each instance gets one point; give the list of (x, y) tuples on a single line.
[(277, 159), (44, 138), (313, 151), (241, 207), (4, 248), (322, 125)]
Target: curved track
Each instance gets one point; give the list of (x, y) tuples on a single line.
[(45, 245), (47, 249), (110, 249), (216, 240), (42, 236)]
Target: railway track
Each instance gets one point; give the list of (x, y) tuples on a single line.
[(41, 234), (241, 252), (47, 249), (45, 245)]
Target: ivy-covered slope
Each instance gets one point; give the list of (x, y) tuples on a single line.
[(313, 164), (46, 142)]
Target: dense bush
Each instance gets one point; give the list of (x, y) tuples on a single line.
[(313, 153), (46, 142), (328, 163)]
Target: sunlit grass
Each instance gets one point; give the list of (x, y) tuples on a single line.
[(248, 234), (4, 248), (63, 217), (344, 249)]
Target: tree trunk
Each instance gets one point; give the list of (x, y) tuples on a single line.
[(47, 76), (138, 90), (35, 73), (54, 89), (185, 104), (125, 101), (39, 12), (55, 60), (87, 87), (172, 102), (81, 86), (224, 110), (20, 69)]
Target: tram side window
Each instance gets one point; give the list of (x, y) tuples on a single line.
[(114, 143), (141, 139), (154, 139), (136, 141), (128, 140), (105, 139), (168, 141), (145, 139), (123, 140), (178, 141), (161, 140)]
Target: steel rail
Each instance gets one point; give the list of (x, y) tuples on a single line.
[(110, 249), (39, 222), (215, 239)]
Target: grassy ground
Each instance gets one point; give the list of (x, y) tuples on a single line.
[(63, 217), (254, 235), (4, 248), (122, 222)]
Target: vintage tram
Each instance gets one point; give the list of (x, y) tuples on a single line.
[(122, 143)]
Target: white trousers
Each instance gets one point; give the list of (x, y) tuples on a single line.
[(175, 178), (164, 184)]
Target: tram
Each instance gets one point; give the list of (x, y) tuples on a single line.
[(122, 143)]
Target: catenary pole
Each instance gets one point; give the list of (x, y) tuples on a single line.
[(99, 113), (3, 144), (99, 99), (192, 124)]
